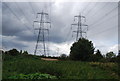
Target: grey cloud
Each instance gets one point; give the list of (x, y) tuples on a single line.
[(62, 16), (12, 44)]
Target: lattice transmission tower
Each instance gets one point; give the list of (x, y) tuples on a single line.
[(42, 24), (79, 21)]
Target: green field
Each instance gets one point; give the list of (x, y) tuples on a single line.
[(26, 65)]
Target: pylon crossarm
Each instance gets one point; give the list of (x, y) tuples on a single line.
[(43, 13), (41, 29), (84, 25), (74, 24)]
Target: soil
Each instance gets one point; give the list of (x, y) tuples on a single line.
[(49, 59)]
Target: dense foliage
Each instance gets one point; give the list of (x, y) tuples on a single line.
[(96, 57), (13, 52), (81, 50)]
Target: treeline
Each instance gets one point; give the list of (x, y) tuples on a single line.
[(15, 52), (83, 50)]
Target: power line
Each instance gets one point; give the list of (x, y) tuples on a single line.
[(103, 16), (100, 9), (91, 9), (98, 33), (50, 13), (32, 8), (85, 8), (16, 16), (34, 15), (110, 18), (22, 13), (67, 35)]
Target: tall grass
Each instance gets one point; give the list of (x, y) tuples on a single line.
[(60, 69)]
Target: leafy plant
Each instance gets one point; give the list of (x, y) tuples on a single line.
[(33, 76)]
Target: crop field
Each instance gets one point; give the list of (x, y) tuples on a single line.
[(19, 67)]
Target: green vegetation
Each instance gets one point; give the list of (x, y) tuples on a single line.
[(81, 64), (82, 50), (23, 66), (33, 76), (97, 57)]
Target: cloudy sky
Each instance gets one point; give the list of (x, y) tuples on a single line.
[(18, 31)]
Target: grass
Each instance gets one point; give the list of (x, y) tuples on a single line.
[(15, 65)]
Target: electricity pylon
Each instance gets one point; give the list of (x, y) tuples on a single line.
[(79, 23), (42, 21)]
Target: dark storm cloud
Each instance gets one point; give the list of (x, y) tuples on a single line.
[(11, 26), (10, 42), (56, 39), (26, 36)]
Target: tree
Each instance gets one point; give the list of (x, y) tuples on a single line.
[(81, 50), (119, 53), (1, 52), (63, 56), (20, 51), (118, 57), (110, 55), (13, 52), (96, 57), (25, 53)]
